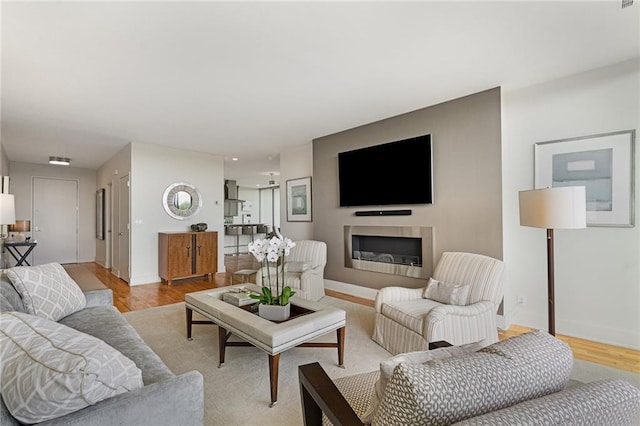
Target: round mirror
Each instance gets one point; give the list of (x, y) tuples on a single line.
[(181, 200)]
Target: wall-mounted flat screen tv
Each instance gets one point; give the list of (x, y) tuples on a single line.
[(391, 173)]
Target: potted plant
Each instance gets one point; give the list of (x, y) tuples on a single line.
[(271, 254)]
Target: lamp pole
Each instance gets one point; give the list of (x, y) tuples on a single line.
[(550, 283)]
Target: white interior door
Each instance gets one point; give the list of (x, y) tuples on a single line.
[(108, 235), (55, 220), (123, 229)]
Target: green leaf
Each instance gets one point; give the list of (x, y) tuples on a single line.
[(286, 294)]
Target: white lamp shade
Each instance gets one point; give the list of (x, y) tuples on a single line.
[(554, 208), (7, 209)]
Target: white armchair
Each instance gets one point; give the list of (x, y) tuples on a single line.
[(304, 269), (406, 320)]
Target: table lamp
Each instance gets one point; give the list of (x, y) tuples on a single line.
[(553, 208), (18, 230), (7, 217)]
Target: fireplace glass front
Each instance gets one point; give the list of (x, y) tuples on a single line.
[(397, 250)]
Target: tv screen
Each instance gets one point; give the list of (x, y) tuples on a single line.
[(391, 173)]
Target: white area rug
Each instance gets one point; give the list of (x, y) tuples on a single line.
[(238, 393)]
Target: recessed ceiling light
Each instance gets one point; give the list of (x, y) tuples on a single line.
[(61, 161), (234, 159)]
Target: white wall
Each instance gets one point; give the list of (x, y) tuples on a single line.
[(4, 162), (249, 196), (294, 164), (153, 168), (21, 186), (597, 269), (270, 206)]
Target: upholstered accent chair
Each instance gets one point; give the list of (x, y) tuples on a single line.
[(524, 380), (458, 306), (304, 269)]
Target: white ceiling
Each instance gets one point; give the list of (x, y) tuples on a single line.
[(83, 79)]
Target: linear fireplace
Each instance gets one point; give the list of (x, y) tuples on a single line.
[(397, 250)]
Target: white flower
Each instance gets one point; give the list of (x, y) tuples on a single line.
[(257, 248), (269, 251), (272, 256), (275, 243), (288, 245)]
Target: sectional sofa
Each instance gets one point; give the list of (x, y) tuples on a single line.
[(160, 397)]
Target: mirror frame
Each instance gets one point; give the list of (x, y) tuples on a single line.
[(170, 193)]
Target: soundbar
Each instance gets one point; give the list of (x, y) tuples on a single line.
[(383, 212)]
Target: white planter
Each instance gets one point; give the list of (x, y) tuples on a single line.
[(275, 312)]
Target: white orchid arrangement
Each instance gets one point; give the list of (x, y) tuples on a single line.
[(269, 251)]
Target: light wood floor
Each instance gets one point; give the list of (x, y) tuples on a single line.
[(128, 298)]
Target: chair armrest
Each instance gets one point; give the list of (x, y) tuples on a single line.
[(319, 394), (315, 271), (456, 316), (396, 294)]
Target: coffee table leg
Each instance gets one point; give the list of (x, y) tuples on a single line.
[(274, 363), (341, 333), (189, 322), (222, 344)]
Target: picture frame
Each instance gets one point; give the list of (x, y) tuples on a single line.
[(603, 163), (100, 214), (299, 200)]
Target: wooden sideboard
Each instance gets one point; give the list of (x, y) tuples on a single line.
[(187, 254)]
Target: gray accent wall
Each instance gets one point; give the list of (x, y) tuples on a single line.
[(466, 214)]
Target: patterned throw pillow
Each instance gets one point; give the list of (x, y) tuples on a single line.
[(419, 357), (49, 370), (443, 392), (47, 290), (447, 293)]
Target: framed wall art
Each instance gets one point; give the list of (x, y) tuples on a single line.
[(603, 164), (299, 200)]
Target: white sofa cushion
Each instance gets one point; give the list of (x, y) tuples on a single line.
[(49, 370), (447, 293), (453, 389), (47, 290)]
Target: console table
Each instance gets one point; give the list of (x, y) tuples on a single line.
[(21, 258)]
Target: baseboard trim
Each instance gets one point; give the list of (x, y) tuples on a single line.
[(580, 329), (149, 279), (351, 289)]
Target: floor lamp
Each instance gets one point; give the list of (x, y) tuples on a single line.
[(553, 208)]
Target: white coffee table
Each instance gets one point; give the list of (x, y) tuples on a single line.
[(308, 321)]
